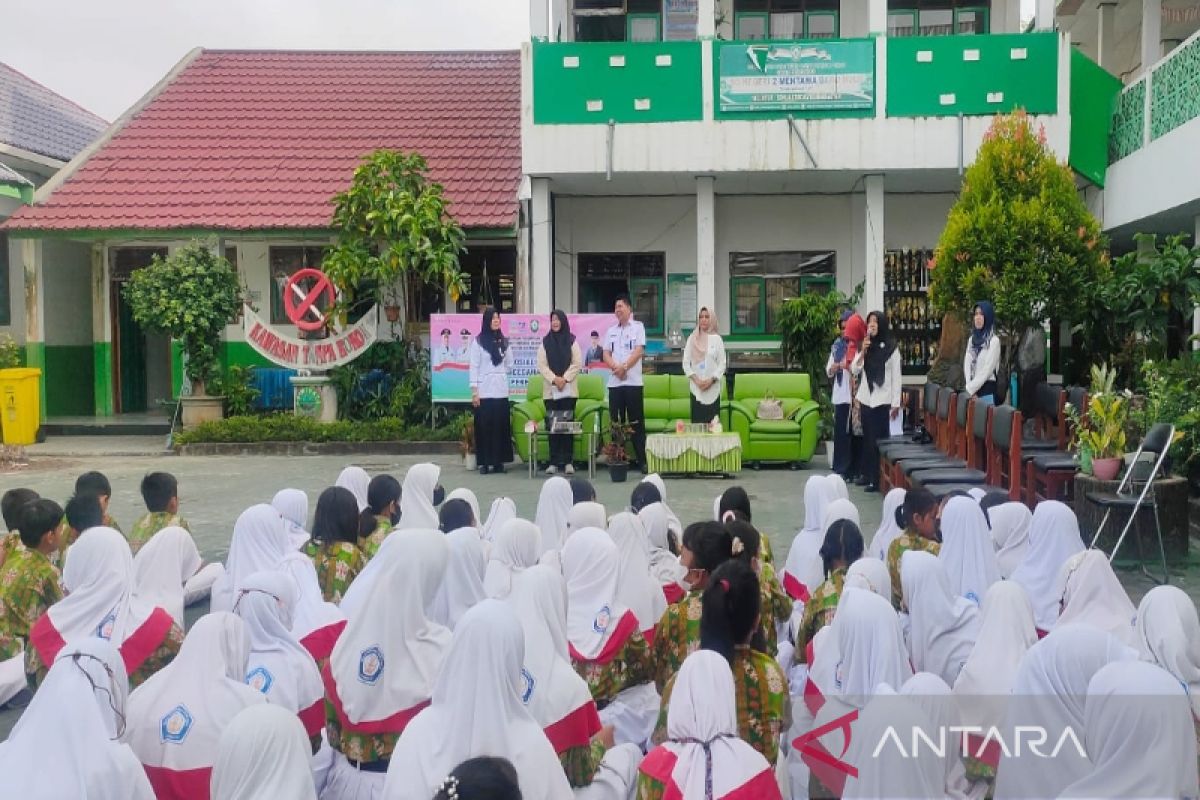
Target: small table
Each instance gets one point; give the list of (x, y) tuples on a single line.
[(694, 453), (591, 449)]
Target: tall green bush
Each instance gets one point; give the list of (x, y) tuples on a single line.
[(807, 326)]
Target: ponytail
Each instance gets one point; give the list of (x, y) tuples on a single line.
[(843, 542), (730, 609), (746, 542), (382, 491), (916, 501)]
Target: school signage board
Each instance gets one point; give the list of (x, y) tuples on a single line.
[(450, 337), (796, 76), (312, 354)]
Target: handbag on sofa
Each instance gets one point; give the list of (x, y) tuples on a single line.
[(770, 407)]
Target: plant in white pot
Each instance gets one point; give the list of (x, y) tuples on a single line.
[(191, 296)]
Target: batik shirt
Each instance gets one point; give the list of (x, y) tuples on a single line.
[(337, 563), (150, 524), (371, 543), (580, 763), (35, 670), (9, 544), (819, 610), (630, 667), (29, 584), (676, 637), (764, 706), (776, 605), (362, 747), (909, 540), (67, 536)]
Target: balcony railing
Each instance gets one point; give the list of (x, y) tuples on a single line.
[(1173, 86)]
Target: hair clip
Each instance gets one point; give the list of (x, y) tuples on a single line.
[(737, 546), (728, 516), (450, 787), (725, 584)]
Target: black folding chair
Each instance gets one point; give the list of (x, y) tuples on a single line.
[(1156, 442)]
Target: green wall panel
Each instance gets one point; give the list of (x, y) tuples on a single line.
[(1175, 90), (936, 76), (1129, 122), (593, 82), (1093, 100), (35, 356), (102, 379), (69, 381)]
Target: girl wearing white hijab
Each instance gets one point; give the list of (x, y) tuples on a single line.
[(703, 758), (1168, 634), (503, 509), (384, 667), (840, 489), (67, 742), (941, 626), (874, 576), (517, 547), (278, 666), (1049, 693), (554, 503), (1092, 595), (260, 542), (462, 493), (935, 698), (636, 587), (292, 505), (803, 572), (888, 530), (664, 564), (673, 523), (263, 755), (1006, 632), (418, 498), (462, 586), (176, 718), (477, 710), (98, 579), (888, 770), (1010, 535), (1053, 538), (161, 568), (357, 481), (316, 624), (1138, 735), (967, 553), (588, 514)]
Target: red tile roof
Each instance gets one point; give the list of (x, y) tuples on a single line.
[(263, 139)]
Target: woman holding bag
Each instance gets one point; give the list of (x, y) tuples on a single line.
[(559, 360), (704, 366)]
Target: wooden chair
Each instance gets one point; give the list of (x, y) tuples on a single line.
[(1004, 451), (1051, 476), (969, 468)]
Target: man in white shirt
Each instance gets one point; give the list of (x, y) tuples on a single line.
[(624, 346)]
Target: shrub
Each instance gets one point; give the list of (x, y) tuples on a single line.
[(391, 379), (291, 428), (1171, 389), (237, 388), (10, 352)]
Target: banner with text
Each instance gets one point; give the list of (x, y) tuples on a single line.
[(314, 354), (797, 76), (450, 337)]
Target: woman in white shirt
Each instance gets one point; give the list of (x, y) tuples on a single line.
[(845, 444), (982, 358), (704, 365), (879, 394), (490, 359), (559, 360)]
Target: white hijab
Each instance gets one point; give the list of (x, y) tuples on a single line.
[(1092, 595), (278, 666), (1006, 632), (967, 553), (554, 503), (591, 566), (942, 626), (392, 640), (194, 697), (874, 574), (462, 586), (588, 514), (637, 589), (1168, 634), (263, 754), (517, 547), (463, 493), (1139, 735), (416, 498), (664, 564), (1010, 535), (476, 710), (162, 566), (356, 481), (702, 736), (1049, 692), (935, 698), (840, 489), (503, 509), (673, 523), (804, 559), (889, 771), (1053, 538), (260, 542), (312, 612), (292, 505), (63, 744), (888, 531)]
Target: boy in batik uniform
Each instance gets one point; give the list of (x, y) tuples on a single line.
[(160, 492), (94, 483), (10, 509), (29, 583)]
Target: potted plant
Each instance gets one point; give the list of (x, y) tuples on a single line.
[(616, 451), (191, 296), (1103, 432), (466, 444)]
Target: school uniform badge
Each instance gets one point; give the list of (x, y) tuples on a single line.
[(528, 684), (105, 629), (603, 618), (260, 678), (175, 726), (370, 665)]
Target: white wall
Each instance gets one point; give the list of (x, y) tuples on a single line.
[(1161, 176), (67, 292), (915, 220)]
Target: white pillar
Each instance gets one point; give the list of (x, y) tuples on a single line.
[(1044, 15), (541, 248), (706, 244), (1009, 21), (871, 236), (877, 17), (1106, 34), (706, 27), (1151, 34), (539, 19)]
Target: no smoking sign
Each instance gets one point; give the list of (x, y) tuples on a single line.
[(301, 295)]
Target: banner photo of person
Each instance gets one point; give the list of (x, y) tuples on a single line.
[(450, 337)]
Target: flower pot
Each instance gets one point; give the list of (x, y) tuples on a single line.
[(392, 313), (1106, 469), (618, 472), (469, 462), (202, 408)]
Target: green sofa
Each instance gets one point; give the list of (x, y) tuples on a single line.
[(792, 439), (667, 399), (593, 400)]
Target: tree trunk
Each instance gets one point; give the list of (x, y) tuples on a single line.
[(947, 367)]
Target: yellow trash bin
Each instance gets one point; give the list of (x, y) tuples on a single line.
[(20, 411)]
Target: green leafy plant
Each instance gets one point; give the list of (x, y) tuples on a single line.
[(1103, 429), (191, 296), (391, 379), (238, 389), (10, 352), (395, 235), (286, 427), (616, 449), (1171, 389)]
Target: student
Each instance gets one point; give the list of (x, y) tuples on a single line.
[(29, 585), (967, 551), (292, 504), (82, 513), (462, 584), (582, 490), (260, 541), (942, 626), (355, 480), (636, 587), (98, 585), (1168, 634), (93, 483), (846, 445), (380, 516), (160, 492), (517, 547), (503, 509), (982, 359), (263, 755), (579, 516), (843, 546), (467, 496), (334, 546), (878, 395), (554, 502), (482, 778), (1010, 524), (491, 357), (316, 624), (674, 525), (1053, 538), (10, 510), (917, 516), (456, 514), (802, 572), (421, 496), (624, 346), (1092, 595), (774, 604), (888, 528), (164, 566), (664, 552), (735, 498), (559, 362), (704, 367)]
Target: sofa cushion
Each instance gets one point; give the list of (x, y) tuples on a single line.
[(659, 425), (754, 386), (776, 427)]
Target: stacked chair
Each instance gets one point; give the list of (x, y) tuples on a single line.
[(1050, 475)]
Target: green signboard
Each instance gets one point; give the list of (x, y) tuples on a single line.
[(819, 75)]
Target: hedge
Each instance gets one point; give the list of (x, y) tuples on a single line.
[(291, 428)]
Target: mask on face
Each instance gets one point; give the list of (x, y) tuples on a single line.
[(439, 494)]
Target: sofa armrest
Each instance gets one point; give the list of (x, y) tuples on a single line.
[(805, 408), (809, 417), (740, 418)]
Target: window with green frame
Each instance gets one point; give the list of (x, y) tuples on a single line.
[(605, 276), (759, 283), (937, 17), (617, 20), (786, 19)]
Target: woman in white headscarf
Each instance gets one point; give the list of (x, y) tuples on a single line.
[(1168, 634), (664, 562), (803, 572), (260, 541), (1048, 693), (888, 530), (840, 489), (1053, 538), (463, 493), (588, 514), (263, 755), (636, 587), (67, 742), (503, 509), (161, 568), (942, 627), (517, 547), (554, 503), (967, 553), (357, 481), (673, 523), (703, 757), (316, 624), (935, 698), (873, 573), (462, 587), (1092, 595), (292, 505), (382, 672), (419, 498), (882, 755), (1010, 535), (100, 601), (477, 710), (278, 666), (176, 718)]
